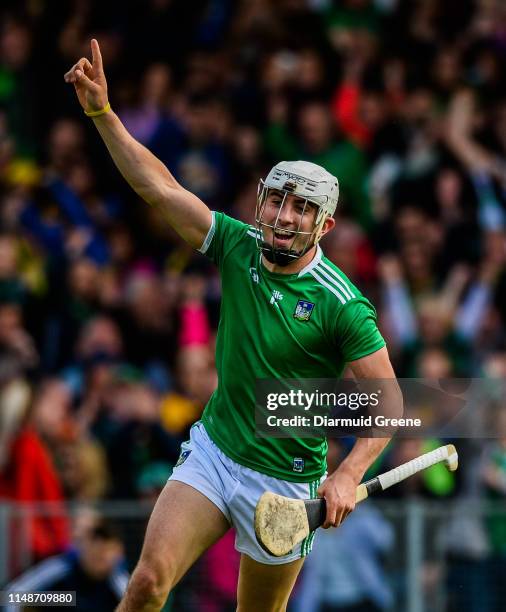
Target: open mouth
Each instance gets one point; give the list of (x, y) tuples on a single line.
[(283, 236)]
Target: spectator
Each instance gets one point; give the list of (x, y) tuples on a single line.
[(317, 142), (27, 475), (94, 570), (139, 442)]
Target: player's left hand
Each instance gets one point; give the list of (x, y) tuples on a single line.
[(339, 491)]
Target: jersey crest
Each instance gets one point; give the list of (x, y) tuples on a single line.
[(303, 310), (298, 464)]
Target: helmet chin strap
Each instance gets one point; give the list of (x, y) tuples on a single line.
[(280, 257)]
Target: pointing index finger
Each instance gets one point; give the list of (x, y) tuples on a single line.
[(96, 55)]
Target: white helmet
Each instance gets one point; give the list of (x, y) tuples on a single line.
[(308, 181)]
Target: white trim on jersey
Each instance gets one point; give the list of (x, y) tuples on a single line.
[(332, 288), (209, 236), (324, 270), (254, 232), (313, 263)]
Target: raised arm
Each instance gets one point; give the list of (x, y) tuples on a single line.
[(145, 173)]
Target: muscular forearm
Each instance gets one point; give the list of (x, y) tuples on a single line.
[(340, 488), (361, 457), (188, 215), (374, 373), (143, 171), (149, 177)]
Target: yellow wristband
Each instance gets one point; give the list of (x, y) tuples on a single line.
[(102, 111)]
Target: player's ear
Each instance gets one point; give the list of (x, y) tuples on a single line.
[(329, 224)]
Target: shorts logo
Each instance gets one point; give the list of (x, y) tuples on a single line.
[(298, 464), (183, 457), (303, 310)]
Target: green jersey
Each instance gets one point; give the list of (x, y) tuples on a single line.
[(303, 325)]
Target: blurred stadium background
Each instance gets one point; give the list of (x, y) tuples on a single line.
[(107, 321)]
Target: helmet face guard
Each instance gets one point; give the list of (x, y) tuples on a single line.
[(301, 241)]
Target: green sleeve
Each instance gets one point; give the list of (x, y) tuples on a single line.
[(224, 235), (356, 331)]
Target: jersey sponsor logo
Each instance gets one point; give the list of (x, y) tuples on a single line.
[(276, 297), (298, 464), (183, 457), (303, 310), (254, 275)]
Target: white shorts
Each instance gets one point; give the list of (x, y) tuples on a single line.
[(235, 490)]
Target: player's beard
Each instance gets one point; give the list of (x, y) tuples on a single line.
[(283, 257), (280, 257)]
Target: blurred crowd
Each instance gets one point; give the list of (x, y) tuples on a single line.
[(108, 320)]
